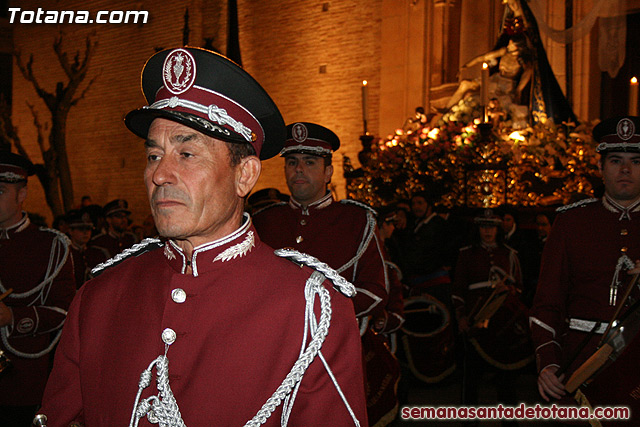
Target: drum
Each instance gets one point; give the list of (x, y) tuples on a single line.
[(503, 339), (428, 339), (382, 374)]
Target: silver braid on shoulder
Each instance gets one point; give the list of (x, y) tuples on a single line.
[(124, 254), (340, 283)]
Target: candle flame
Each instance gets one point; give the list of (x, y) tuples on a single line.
[(485, 65), (634, 80), (515, 135), (364, 83)]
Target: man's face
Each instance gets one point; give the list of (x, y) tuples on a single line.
[(307, 177), (80, 236), (194, 192), (419, 206), (488, 234), (543, 226), (11, 198), (508, 221), (621, 176), (118, 221)]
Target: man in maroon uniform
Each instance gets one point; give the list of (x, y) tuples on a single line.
[(341, 234), (230, 331), (35, 263), (590, 245), (85, 257), (116, 237), (344, 234)]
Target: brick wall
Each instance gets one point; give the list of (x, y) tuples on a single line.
[(311, 56)]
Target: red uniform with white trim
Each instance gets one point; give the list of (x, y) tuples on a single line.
[(579, 263), (35, 263), (237, 324), (337, 233)]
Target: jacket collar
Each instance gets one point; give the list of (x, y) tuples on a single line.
[(625, 212), (212, 255), (321, 203), (6, 233)]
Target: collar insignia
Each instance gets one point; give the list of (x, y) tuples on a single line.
[(240, 249), (168, 252)]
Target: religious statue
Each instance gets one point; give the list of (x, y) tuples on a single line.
[(521, 78)]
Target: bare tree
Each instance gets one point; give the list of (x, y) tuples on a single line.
[(56, 174)]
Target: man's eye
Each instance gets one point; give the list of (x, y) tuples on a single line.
[(152, 157), (186, 155)]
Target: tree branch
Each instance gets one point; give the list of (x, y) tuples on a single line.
[(39, 127), (86, 89), (27, 72)]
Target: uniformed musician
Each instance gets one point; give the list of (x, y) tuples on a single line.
[(85, 257), (342, 234), (207, 326), (117, 236), (591, 244), (36, 264)]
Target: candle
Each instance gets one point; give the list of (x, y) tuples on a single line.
[(633, 97), (484, 89), (364, 105)]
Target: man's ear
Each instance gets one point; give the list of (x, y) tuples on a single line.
[(328, 173), (22, 195), (248, 172), (601, 163)]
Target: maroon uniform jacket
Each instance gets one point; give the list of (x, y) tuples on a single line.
[(231, 331), (578, 265), (472, 284), (84, 259), (114, 244), (338, 234), (35, 262)]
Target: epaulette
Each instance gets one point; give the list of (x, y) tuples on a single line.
[(138, 249), (268, 207), (341, 284), (579, 203), (360, 204), (59, 234)]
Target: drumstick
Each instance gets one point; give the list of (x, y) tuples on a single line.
[(578, 350), (6, 294), (588, 368)]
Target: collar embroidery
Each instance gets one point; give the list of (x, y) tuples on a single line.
[(240, 249), (169, 253)]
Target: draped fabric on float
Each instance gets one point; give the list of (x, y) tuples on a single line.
[(547, 101)]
